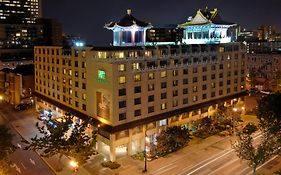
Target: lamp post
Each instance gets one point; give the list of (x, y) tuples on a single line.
[(74, 166), (144, 152)]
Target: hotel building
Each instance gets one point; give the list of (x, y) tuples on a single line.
[(130, 91)]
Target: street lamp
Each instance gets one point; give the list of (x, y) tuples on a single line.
[(74, 166), (144, 152)]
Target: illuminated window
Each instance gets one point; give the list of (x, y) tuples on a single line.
[(163, 74), (137, 77), (163, 106), (194, 88), (151, 76), (136, 66), (83, 96), (194, 98), (70, 72), (122, 79), (121, 67), (101, 74)]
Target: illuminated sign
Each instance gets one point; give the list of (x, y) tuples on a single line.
[(101, 75)]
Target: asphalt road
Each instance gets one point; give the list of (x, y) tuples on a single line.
[(23, 162)]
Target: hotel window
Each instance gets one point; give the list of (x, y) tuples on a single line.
[(213, 85), (83, 96), (76, 84), (136, 66), (137, 101), (235, 89), (121, 67), (185, 81), (204, 78), (83, 85), (228, 73), (228, 66), (221, 66), (70, 91), (70, 101), (150, 109), (185, 91), (150, 87), (242, 79), (122, 116), (163, 106), (76, 94), (221, 75), (228, 90), (175, 103), (163, 85), (137, 112), (194, 88), (228, 82), (204, 96), (175, 73), (122, 104), (83, 64), (220, 83), (195, 70), (185, 101), (70, 82), (83, 75), (122, 92), (185, 71), (76, 104), (137, 77), (64, 71), (76, 74), (195, 80), (122, 79), (163, 74), (235, 80), (175, 93), (204, 87), (220, 92), (151, 76), (138, 89), (204, 69), (84, 107), (195, 98), (163, 95), (213, 76), (213, 67), (175, 83), (150, 98), (213, 94)]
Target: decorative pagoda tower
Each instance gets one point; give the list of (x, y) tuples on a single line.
[(207, 27), (129, 31)]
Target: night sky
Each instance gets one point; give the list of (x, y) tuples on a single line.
[(86, 18)]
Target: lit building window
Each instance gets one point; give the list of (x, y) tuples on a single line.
[(151, 76), (194, 98), (84, 96), (163, 74), (121, 67), (137, 77), (122, 79), (163, 106), (136, 66)]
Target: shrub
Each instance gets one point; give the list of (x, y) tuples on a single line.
[(110, 164)]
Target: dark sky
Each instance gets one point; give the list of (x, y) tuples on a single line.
[(86, 18)]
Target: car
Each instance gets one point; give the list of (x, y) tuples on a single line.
[(43, 117), (52, 123), (21, 107)]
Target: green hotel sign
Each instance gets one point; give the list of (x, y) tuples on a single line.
[(101, 76)]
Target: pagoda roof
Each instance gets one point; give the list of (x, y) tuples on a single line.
[(127, 21), (206, 17)]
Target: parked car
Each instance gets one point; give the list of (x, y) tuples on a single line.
[(43, 117), (21, 107)]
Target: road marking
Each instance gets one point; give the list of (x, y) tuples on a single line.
[(163, 167), (13, 165), (211, 161), (264, 163), (32, 161), (18, 169), (224, 165), (164, 170), (19, 145)]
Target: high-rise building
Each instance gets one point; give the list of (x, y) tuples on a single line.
[(19, 11)]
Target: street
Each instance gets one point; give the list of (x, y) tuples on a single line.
[(23, 162)]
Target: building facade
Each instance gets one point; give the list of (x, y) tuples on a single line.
[(19, 11), (130, 91)]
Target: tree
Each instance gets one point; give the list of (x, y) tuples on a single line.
[(252, 78), (250, 128), (65, 138), (254, 155), (269, 113), (6, 148), (172, 139)]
